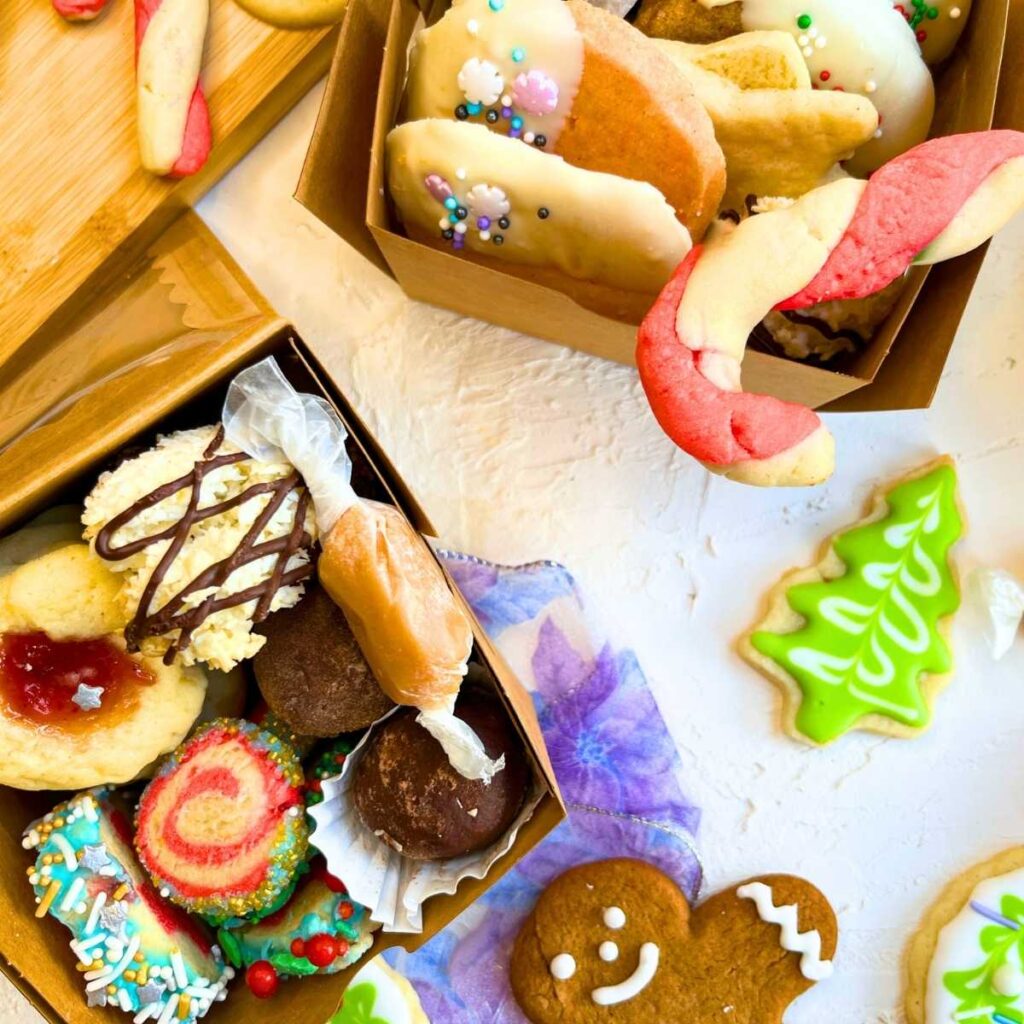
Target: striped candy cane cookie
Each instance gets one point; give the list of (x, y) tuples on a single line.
[(845, 240)]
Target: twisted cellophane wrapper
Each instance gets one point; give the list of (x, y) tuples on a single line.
[(378, 570)]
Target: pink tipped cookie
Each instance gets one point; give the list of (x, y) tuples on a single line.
[(845, 240), (79, 10), (174, 121), (221, 829)]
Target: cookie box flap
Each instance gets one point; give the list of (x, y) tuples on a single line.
[(78, 209), (336, 173), (182, 313)]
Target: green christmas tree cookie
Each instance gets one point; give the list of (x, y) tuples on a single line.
[(858, 641)]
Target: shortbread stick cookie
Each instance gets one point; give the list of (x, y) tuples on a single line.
[(964, 962), (572, 80), (777, 142), (174, 121), (79, 10), (856, 46), (616, 941), (861, 639), (845, 240)]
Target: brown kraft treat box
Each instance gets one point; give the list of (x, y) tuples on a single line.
[(186, 321), (343, 184)]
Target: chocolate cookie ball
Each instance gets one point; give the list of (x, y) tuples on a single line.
[(408, 793), (312, 673)]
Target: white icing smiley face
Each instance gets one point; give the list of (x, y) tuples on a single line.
[(563, 966)]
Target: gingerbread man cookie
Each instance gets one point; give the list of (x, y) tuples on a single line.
[(616, 941)]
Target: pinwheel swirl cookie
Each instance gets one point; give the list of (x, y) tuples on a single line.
[(222, 829), (615, 942), (845, 240), (137, 953)]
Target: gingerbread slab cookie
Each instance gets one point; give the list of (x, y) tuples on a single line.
[(859, 640), (964, 963), (616, 941)]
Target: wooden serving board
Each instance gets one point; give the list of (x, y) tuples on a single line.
[(76, 208)]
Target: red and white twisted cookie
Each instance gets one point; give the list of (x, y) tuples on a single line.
[(845, 240), (79, 10), (174, 122)]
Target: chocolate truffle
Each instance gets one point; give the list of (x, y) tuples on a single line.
[(410, 796), (312, 673)]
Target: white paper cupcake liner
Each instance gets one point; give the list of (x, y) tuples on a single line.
[(393, 888)]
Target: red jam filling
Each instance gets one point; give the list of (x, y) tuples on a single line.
[(39, 678)]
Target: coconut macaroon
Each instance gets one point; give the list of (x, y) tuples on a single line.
[(207, 541)]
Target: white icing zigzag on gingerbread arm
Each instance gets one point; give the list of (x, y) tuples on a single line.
[(807, 944), (845, 240)]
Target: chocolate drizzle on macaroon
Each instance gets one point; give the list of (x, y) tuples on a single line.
[(172, 615)]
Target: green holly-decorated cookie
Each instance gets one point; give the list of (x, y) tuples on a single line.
[(965, 961), (858, 641), (378, 994)]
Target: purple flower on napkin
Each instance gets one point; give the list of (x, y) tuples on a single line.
[(615, 763)]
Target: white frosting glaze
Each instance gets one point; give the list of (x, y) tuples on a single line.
[(600, 227), (168, 67), (864, 47), (614, 917), (542, 83), (608, 952), (744, 273), (959, 945), (807, 944), (998, 198), (646, 968), (562, 966)]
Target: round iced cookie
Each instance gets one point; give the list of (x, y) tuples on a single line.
[(965, 961), (378, 993), (221, 827), (937, 24), (320, 930), (137, 952)]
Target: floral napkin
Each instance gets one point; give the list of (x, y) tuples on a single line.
[(614, 760)]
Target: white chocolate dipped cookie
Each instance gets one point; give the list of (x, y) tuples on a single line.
[(964, 962), (572, 80), (937, 24), (865, 47), (609, 242)]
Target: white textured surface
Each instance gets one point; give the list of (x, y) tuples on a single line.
[(521, 450)]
